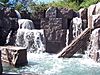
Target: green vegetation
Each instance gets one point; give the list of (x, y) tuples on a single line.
[(74, 4), (40, 7), (71, 4)]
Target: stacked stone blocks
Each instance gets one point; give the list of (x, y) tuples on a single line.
[(55, 30)]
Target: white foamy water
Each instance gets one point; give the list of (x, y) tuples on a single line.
[(32, 40), (77, 27), (46, 64)]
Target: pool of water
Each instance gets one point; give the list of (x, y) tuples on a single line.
[(46, 64)]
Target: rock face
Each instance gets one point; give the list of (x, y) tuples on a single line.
[(94, 51), (16, 56), (55, 26), (1, 69), (54, 33), (55, 41), (54, 23), (83, 16)]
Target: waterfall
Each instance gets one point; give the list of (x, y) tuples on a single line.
[(33, 40), (77, 27)]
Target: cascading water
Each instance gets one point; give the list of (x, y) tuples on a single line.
[(48, 64), (77, 27), (32, 40)]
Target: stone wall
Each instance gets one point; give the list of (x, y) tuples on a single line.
[(55, 27), (84, 16), (1, 69), (54, 33), (94, 24), (58, 22)]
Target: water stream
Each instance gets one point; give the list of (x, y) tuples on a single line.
[(46, 64)]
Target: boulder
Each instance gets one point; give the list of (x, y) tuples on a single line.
[(16, 56), (49, 23), (55, 35)]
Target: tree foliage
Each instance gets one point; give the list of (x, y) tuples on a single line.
[(37, 7), (74, 4)]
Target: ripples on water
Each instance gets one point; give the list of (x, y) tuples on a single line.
[(45, 64)]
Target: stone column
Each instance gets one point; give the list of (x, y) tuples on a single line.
[(54, 33)]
